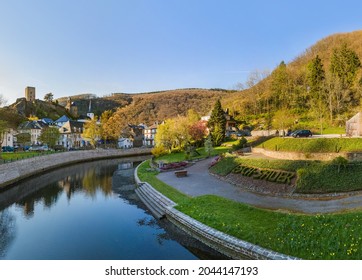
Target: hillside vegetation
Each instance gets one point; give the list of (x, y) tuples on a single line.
[(41, 109), (321, 87), (149, 107), (152, 107)]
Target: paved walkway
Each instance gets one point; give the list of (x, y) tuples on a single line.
[(200, 182)]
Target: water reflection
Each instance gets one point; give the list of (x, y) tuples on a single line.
[(7, 231), (87, 211)]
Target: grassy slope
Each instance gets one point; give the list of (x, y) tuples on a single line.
[(313, 176), (313, 145)]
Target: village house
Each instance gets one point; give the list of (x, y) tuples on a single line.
[(231, 124), (8, 138), (71, 135), (149, 135), (125, 143), (136, 134), (34, 128), (61, 121), (354, 125)]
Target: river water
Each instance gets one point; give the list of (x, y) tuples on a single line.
[(88, 212)]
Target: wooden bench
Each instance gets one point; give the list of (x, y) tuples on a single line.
[(181, 173)]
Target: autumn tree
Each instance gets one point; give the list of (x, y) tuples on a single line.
[(104, 131), (217, 124), (113, 127), (23, 139), (345, 64), (198, 132), (2, 101), (3, 129), (164, 135), (92, 131), (283, 120), (50, 136)]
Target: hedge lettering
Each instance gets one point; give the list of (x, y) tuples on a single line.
[(277, 176)]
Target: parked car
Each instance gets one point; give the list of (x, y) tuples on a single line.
[(7, 149), (302, 133), (39, 148), (243, 132)]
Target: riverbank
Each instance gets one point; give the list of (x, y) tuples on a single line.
[(307, 236), (220, 241), (17, 171)]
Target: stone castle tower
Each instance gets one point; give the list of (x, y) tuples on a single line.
[(30, 94), (72, 108)]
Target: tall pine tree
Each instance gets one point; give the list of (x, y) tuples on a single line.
[(315, 80), (217, 124)]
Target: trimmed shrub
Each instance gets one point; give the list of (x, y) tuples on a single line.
[(159, 151)]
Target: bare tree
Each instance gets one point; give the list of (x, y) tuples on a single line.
[(3, 101)]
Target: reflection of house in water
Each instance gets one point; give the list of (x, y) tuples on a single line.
[(123, 175), (125, 165)]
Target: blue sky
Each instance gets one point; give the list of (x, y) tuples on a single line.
[(72, 47)]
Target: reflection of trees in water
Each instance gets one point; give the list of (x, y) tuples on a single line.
[(151, 222), (7, 231), (98, 179), (48, 196), (87, 178)]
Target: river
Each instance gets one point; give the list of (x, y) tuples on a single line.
[(88, 211)]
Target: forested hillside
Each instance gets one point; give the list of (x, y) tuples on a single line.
[(151, 107), (321, 87)]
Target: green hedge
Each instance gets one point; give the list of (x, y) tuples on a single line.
[(313, 145), (312, 176)]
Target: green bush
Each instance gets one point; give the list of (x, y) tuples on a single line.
[(159, 151), (240, 143), (313, 145)]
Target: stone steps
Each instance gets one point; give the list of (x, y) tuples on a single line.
[(155, 202)]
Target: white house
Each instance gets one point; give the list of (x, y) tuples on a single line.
[(71, 135), (354, 125), (149, 134), (125, 143), (34, 128), (8, 138), (62, 121)]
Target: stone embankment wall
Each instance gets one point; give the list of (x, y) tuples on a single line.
[(263, 132), (16, 171), (357, 156), (228, 245)]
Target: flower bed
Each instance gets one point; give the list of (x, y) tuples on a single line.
[(173, 166)]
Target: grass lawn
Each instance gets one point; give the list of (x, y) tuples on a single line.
[(21, 155), (313, 145), (146, 175), (180, 156), (333, 236), (306, 236), (334, 130)]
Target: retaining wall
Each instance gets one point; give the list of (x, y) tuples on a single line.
[(300, 156), (16, 171), (224, 243)]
